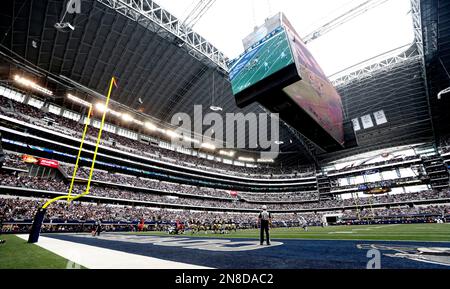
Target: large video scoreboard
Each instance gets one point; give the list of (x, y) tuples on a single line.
[(268, 56), (278, 71)]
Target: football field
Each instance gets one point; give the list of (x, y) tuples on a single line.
[(16, 253), (416, 246), (400, 232)]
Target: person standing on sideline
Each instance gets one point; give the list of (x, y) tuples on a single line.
[(2, 216), (302, 222), (98, 228), (264, 221)]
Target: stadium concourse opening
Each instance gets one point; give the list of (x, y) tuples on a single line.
[(97, 172)]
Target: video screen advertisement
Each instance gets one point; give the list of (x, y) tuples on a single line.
[(314, 93)]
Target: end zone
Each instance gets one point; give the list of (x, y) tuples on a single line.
[(93, 257)]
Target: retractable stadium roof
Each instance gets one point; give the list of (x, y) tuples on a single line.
[(159, 76)]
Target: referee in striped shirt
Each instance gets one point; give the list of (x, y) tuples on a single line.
[(265, 221)]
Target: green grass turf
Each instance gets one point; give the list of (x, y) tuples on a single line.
[(413, 232), (18, 254)]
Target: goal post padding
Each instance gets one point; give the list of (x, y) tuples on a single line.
[(37, 225)]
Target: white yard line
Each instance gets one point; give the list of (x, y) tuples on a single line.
[(359, 230), (99, 258)]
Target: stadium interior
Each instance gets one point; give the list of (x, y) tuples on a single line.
[(396, 103)]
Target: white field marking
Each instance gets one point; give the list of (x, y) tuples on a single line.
[(215, 245), (392, 235), (385, 226), (364, 229), (427, 228), (99, 258)]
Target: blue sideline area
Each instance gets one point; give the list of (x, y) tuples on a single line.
[(292, 254)]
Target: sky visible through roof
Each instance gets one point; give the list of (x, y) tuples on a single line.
[(379, 30)]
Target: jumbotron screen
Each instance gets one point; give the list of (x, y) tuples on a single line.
[(269, 55), (314, 93), (280, 62)]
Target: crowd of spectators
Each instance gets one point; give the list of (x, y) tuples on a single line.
[(445, 144), (26, 111), (367, 186), (406, 197), (19, 211), (191, 190), (114, 193), (177, 194), (178, 189), (405, 211), (355, 167), (158, 197), (14, 161), (385, 199), (39, 117), (5, 104), (139, 182), (280, 197), (61, 124), (16, 209)]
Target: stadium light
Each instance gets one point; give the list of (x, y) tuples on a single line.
[(245, 159), (227, 153), (186, 138), (163, 131), (138, 122), (115, 113), (100, 107), (126, 117), (172, 134), (64, 27), (150, 126), (445, 91), (265, 160), (31, 84), (208, 146), (215, 108), (78, 100)]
